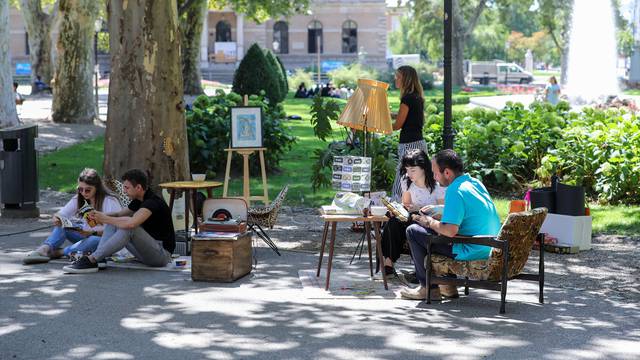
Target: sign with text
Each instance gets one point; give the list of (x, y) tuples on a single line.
[(351, 173)]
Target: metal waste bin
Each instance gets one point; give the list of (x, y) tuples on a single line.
[(19, 191)]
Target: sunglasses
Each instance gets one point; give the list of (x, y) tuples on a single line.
[(84, 190)]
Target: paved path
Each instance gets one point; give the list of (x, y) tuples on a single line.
[(127, 314)]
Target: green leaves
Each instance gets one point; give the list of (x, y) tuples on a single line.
[(322, 112)]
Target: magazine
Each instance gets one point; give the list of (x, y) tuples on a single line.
[(69, 223)]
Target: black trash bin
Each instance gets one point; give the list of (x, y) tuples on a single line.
[(19, 172)]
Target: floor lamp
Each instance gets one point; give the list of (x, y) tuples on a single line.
[(368, 109)]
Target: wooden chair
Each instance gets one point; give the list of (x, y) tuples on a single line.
[(266, 216), (511, 249)]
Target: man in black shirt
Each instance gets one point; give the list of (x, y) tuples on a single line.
[(145, 228)]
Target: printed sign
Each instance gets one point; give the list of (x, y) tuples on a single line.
[(351, 173)]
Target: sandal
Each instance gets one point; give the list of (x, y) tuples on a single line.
[(35, 257)]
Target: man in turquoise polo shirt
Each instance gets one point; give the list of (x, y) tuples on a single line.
[(468, 211)]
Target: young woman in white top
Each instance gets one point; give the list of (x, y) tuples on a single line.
[(92, 191), (419, 190)]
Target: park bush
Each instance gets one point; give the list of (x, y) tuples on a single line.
[(348, 75), (516, 148), (255, 74), (208, 129), (600, 150), (276, 69), (298, 77)]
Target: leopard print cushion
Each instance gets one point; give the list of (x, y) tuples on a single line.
[(116, 187)]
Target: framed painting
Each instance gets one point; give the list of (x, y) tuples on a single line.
[(246, 127)]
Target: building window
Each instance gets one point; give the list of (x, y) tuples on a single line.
[(223, 31), (281, 37), (315, 35), (349, 37)]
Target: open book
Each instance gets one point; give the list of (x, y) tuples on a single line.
[(400, 212), (70, 223)]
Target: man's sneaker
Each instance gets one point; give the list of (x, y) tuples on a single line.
[(81, 266), (102, 264)]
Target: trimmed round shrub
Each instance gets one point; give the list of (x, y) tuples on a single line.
[(255, 74), (276, 69)]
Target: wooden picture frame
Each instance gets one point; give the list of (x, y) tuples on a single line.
[(246, 127)]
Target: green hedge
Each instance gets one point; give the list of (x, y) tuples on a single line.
[(517, 147), (255, 74)]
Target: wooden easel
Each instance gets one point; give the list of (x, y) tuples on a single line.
[(245, 152)]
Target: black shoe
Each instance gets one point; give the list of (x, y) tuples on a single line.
[(81, 266), (102, 264)]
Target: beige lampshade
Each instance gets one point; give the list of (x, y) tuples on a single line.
[(368, 103)]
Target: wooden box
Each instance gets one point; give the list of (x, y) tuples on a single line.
[(224, 259)]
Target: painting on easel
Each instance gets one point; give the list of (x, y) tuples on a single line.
[(246, 127)]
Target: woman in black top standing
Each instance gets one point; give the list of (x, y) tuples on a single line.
[(409, 120)]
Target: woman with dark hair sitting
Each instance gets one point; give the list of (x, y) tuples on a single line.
[(301, 93), (419, 191), (84, 239)]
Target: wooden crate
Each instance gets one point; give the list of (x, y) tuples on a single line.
[(221, 259)]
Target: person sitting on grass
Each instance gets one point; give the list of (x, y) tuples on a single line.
[(419, 190), (145, 228), (468, 211), (85, 239)]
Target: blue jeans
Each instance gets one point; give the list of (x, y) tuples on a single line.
[(418, 238), (80, 242)]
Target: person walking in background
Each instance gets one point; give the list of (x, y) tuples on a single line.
[(409, 120), (552, 91)]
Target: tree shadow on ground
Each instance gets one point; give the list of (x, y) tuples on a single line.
[(146, 314)]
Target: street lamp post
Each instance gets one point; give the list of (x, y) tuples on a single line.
[(447, 130), (97, 28)]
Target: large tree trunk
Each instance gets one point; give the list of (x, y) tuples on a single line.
[(39, 25), (457, 58), (8, 114), (73, 86), (190, 31), (145, 124)]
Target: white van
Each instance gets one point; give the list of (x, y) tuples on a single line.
[(499, 72)]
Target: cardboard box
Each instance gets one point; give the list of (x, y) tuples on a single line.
[(571, 231)]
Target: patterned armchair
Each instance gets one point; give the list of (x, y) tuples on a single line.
[(511, 249), (266, 216)]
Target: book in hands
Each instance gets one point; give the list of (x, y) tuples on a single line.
[(68, 223), (398, 210)]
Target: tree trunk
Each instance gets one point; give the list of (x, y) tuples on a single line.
[(190, 31), (73, 86), (8, 114), (457, 46), (145, 125), (38, 25)]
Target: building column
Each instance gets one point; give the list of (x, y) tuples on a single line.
[(240, 37), (204, 39)]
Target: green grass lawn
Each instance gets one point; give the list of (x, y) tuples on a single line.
[(59, 170)]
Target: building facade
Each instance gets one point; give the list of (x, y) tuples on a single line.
[(333, 33), (339, 31)]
